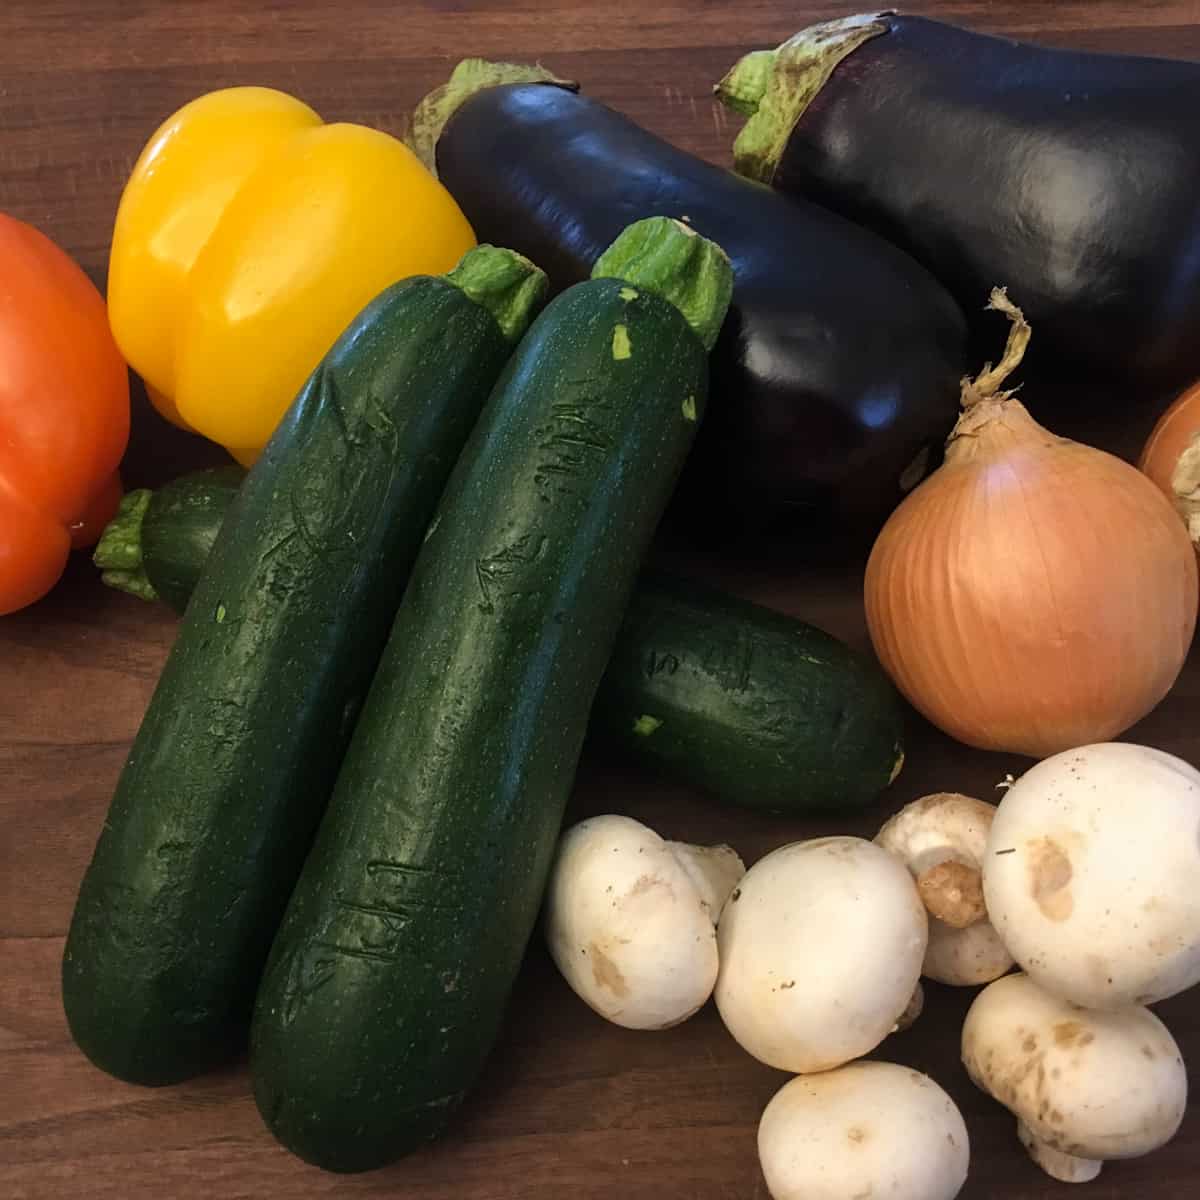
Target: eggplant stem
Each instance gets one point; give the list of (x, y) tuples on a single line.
[(472, 75), (986, 385), (773, 88)]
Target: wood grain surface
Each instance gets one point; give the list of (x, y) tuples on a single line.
[(570, 1106)]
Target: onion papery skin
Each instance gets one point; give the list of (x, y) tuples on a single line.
[(1178, 434), (1034, 594)]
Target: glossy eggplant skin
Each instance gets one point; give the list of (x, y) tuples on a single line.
[(1071, 178), (839, 363)]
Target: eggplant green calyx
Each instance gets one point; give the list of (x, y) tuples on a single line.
[(472, 75), (775, 87)]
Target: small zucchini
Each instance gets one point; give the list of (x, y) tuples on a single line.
[(754, 706)]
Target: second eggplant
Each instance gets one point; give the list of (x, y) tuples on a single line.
[(1068, 177), (836, 376)]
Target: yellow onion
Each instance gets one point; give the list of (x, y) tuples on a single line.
[(1033, 594), (1172, 458)]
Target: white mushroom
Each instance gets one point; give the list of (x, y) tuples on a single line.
[(915, 1007), (1092, 874), (1085, 1086), (820, 947), (867, 1129), (941, 839), (629, 919)]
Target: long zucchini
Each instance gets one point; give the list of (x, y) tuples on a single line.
[(239, 749), (388, 979)]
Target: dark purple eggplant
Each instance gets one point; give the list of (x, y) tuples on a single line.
[(838, 366), (1071, 178)]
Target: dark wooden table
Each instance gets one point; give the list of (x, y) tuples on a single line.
[(570, 1106)]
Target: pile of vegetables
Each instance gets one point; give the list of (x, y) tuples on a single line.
[(429, 580)]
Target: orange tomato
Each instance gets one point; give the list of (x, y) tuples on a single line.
[(64, 413)]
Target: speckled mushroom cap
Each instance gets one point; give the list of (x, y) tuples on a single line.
[(629, 919), (1085, 1085), (1091, 874), (821, 947), (866, 1129)]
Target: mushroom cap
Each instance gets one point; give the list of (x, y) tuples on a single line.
[(866, 1129), (1091, 871), (1093, 1084), (627, 926), (820, 948), (948, 827)]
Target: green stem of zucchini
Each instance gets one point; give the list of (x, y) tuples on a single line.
[(118, 553), (775, 87), (504, 283), (470, 76), (672, 260)]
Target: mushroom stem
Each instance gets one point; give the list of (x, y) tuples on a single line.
[(915, 1007), (1057, 1163), (952, 891), (713, 870)]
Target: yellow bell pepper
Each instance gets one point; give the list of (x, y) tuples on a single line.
[(248, 236)]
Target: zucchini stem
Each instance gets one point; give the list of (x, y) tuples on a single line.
[(118, 553), (671, 259), (505, 283)]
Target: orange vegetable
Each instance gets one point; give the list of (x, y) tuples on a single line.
[(64, 413), (1033, 594), (1172, 458)]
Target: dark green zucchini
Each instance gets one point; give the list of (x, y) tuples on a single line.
[(388, 979), (758, 708), (240, 746), (754, 706)]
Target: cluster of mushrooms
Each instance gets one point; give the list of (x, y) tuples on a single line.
[(1086, 876)]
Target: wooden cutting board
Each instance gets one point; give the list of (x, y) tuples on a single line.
[(570, 1106)]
